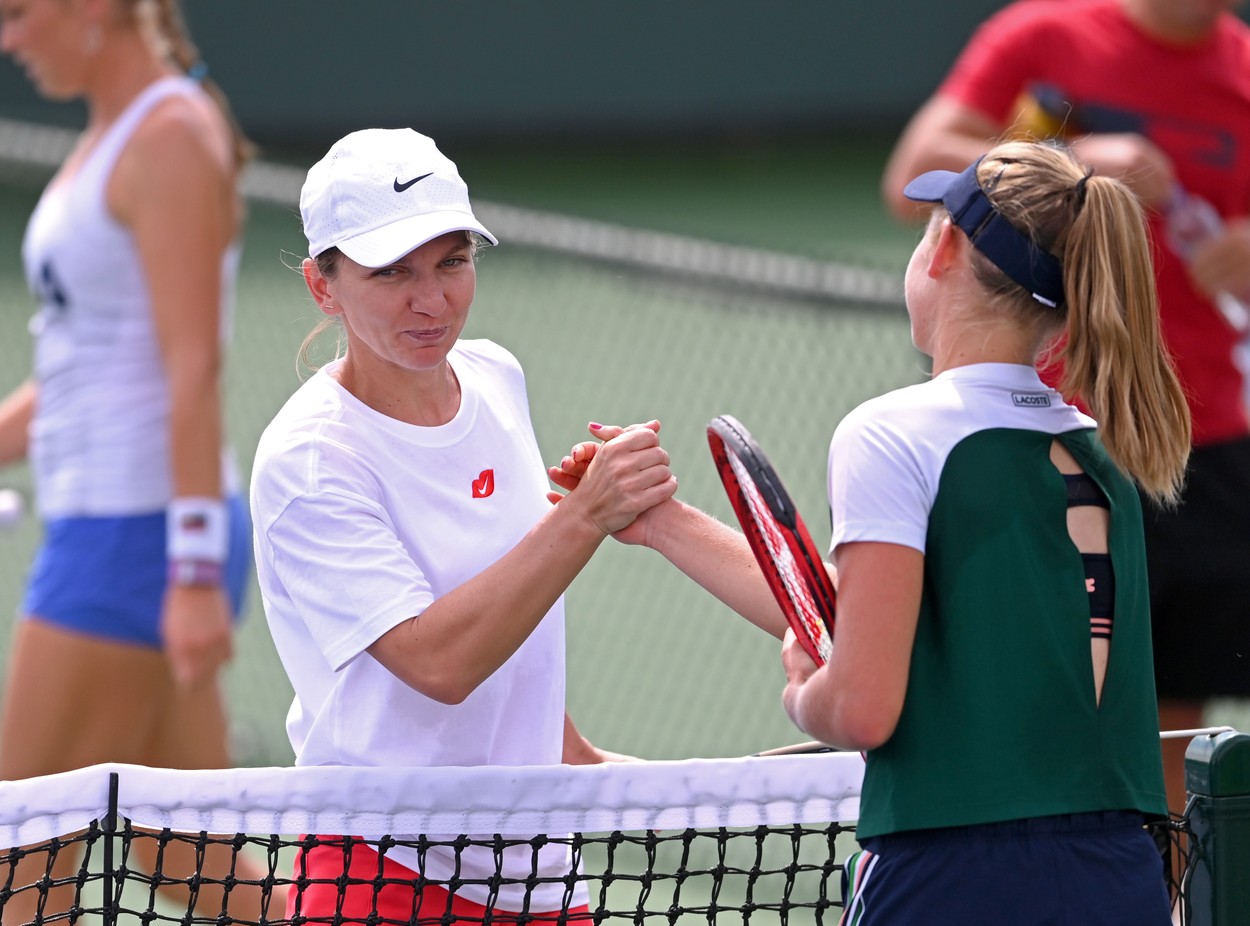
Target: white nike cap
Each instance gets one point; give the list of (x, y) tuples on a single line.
[(379, 193)]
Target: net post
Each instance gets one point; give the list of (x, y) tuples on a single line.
[(110, 833), (1217, 777)]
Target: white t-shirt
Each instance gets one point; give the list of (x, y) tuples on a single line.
[(887, 456), (99, 442), (362, 521)]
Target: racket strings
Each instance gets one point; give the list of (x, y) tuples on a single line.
[(788, 570)]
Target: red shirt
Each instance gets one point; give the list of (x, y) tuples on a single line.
[(1193, 101)]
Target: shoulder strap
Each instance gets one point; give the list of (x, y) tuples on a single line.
[(110, 146)]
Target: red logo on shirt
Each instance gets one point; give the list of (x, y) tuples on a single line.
[(484, 484)]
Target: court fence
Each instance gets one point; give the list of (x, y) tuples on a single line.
[(41, 148)]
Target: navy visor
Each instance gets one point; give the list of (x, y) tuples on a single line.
[(1009, 249)]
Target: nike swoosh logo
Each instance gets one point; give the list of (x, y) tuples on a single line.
[(484, 484), (400, 187)]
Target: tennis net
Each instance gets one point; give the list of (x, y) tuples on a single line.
[(755, 839), (758, 839)]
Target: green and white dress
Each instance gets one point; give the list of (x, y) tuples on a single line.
[(1000, 720)]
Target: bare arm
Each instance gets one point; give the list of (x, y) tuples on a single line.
[(175, 192), (718, 558), (713, 554), (855, 700), (468, 633), (16, 411), (173, 187), (944, 134)]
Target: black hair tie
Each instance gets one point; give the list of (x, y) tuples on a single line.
[(1080, 188)]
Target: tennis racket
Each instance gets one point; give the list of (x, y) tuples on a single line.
[(791, 562)]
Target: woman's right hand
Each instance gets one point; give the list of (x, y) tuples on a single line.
[(615, 459)]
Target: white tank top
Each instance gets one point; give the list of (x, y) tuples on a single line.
[(99, 442)]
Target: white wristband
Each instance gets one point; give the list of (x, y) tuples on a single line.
[(197, 529)]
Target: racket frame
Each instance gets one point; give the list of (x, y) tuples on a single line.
[(727, 436)]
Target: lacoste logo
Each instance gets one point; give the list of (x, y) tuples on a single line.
[(484, 484), (1030, 399), (400, 187)]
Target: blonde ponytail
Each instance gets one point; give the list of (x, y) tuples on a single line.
[(1114, 357)]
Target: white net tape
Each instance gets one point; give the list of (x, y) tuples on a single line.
[(370, 802)]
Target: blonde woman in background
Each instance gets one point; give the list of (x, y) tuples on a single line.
[(131, 254)]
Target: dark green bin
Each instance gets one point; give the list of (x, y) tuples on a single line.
[(1217, 777)]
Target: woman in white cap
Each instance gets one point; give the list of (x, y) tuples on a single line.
[(411, 564), (132, 254)]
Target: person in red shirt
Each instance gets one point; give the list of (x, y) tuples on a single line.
[(1155, 93)]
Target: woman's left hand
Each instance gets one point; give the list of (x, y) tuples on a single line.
[(568, 474), (799, 668), (196, 633)]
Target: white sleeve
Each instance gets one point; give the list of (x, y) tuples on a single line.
[(878, 487), (341, 566)]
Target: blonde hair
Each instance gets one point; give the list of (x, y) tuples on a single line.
[(162, 24), (328, 265), (1113, 353)]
